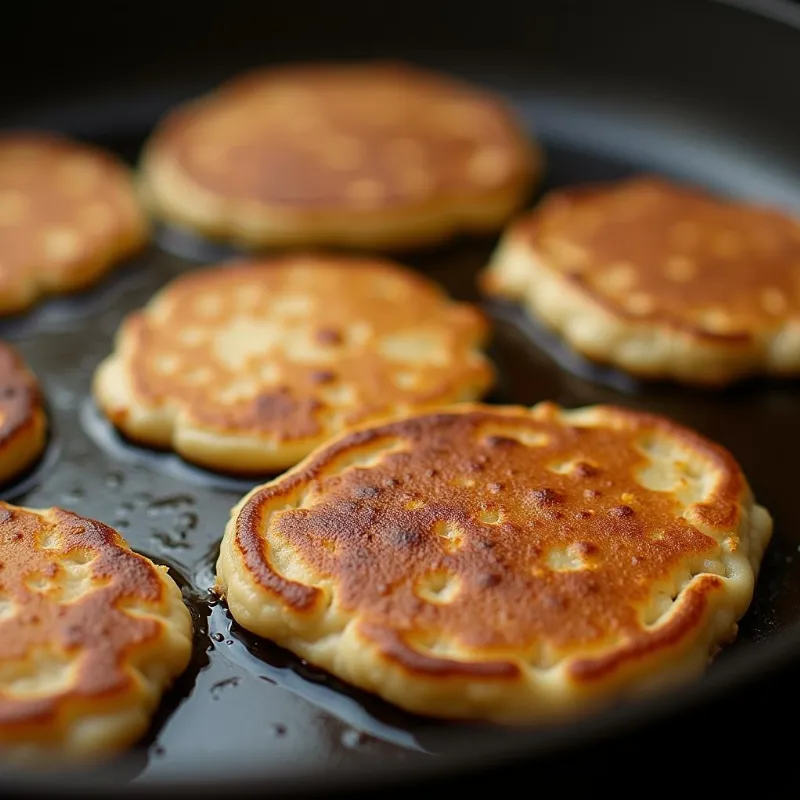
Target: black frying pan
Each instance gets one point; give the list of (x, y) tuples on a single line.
[(703, 91)]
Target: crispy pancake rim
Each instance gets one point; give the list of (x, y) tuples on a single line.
[(596, 665), (68, 214), (73, 592), (347, 380), (661, 279), (187, 196)]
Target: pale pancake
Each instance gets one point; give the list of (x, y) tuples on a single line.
[(92, 634), (23, 422), (662, 280), (375, 155), (68, 214), (247, 366), (501, 563)]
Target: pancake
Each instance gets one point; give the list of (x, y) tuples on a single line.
[(662, 280), (372, 155), (247, 366), (501, 563), (68, 213), (92, 635), (23, 423)]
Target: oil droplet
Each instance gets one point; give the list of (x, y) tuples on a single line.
[(279, 730), (352, 738), (186, 522), (169, 541), (114, 480), (167, 504), (159, 750), (220, 686)]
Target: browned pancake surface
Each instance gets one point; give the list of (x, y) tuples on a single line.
[(652, 250), (293, 347), (66, 585), (509, 533), (346, 136), (66, 211)]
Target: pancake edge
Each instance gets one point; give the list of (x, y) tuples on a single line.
[(170, 195), (62, 738), (704, 617), (654, 349), (170, 427)]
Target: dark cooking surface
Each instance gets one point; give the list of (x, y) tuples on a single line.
[(269, 705)]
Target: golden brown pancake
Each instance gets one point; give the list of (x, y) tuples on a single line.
[(376, 155), (662, 280), (92, 635), (23, 423), (501, 563), (247, 366), (67, 215)]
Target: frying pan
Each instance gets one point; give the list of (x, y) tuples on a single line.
[(702, 91)]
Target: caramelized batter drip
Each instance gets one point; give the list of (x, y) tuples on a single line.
[(497, 532), (71, 601), (297, 347), (651, 250), (357, 137)]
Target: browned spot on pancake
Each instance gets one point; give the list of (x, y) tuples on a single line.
[(21, 405), (322, 376), (321, 335), (501, 441), (270, 412), (377, 135), (54, 193), (716, 268), (329, 336), (546, 497), (584, 470), (525, 576), (621, 511), (68, 581)]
